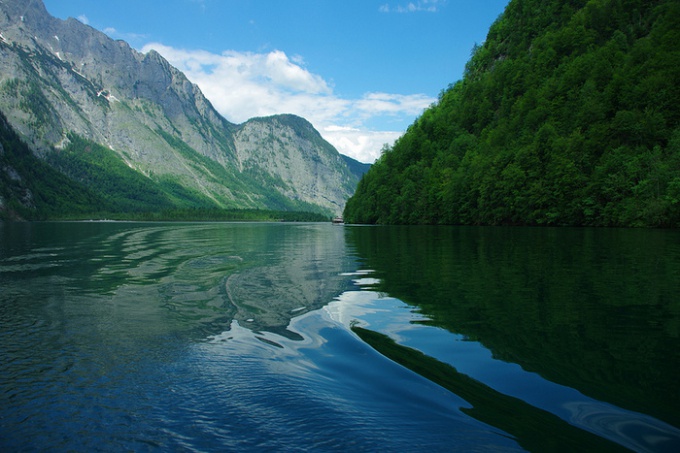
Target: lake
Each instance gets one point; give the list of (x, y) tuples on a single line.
[(120, 336)]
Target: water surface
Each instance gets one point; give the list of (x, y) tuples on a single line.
[(314, 337)]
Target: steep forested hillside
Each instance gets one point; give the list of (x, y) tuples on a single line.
[(568, 114), (29, 188)]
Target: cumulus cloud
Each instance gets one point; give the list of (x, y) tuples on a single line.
[(243, 85), (430, 6), (362, 145)]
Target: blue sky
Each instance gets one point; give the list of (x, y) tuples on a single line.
[(360, 70)]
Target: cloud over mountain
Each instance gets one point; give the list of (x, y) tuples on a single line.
[(242, 85)]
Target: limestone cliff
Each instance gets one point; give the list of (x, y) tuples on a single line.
[(62, 80)]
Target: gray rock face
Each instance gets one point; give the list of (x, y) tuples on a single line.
[(307, 167), (60, 77)]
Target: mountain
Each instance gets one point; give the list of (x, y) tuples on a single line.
[(359, 169), (29, 186), (568, 114), (134, 131)]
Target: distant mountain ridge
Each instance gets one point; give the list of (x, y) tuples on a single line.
[(66, 88)]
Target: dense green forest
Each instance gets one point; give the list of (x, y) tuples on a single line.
[(122, 188), (568, 114), (31, 189)]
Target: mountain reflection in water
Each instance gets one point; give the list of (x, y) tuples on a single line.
[(213, 336)]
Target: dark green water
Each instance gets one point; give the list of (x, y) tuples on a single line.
[(314, 337)]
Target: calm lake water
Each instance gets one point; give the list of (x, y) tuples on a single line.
[(313, 337)]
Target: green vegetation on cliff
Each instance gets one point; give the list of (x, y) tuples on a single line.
[(31, 189), (568, 114), (88, 181)]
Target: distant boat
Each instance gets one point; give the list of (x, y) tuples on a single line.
[(338, 220)]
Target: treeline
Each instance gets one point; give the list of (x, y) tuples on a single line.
[(567, 115), (121, 188), (219, 215)]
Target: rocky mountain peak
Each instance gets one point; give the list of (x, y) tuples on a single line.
[(30, 12), (62, 77)]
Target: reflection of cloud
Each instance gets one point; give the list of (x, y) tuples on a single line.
[(373, 309), (351, 306), (243, 85)]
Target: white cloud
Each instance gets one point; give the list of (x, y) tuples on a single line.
[(385, 103), (83, 18), (430, 6), (243, 85), (363, 145)]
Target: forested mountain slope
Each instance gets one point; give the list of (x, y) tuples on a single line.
[(29, 186), (567, 115)]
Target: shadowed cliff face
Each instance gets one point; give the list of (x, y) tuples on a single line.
[(64, 77)]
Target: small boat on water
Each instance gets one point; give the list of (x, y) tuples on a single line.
[(338, 220)]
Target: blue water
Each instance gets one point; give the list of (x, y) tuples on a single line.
[(237, 336)]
